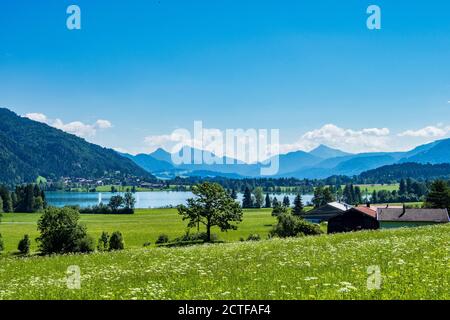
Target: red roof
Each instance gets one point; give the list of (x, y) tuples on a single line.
[(366, 210)]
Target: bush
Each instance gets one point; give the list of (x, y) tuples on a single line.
[(106, 209), (278, 210), (116, 241), (162, 238), (196, 237), (181, 244), (103, 242), (85, 244), (61, 232), (24, 245), (254, 237), (292, 226), (147, 244), (1, 243), (100, 209), (203, 236), (186, 240)]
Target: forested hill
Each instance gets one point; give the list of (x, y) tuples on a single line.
[(29, 149), (396, 172)]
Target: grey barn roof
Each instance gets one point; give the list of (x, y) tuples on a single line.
[(327, 211), (412, 215)]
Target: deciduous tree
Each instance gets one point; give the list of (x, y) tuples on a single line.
[(211, 206)]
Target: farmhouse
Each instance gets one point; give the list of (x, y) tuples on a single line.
[(324, 213), (354, 219), (403, 217)]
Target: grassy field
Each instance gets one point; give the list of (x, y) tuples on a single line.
[(414, 264), (143, 226), (377, 187)]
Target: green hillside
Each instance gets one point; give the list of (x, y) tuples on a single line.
[(29, 149), (406, 170)]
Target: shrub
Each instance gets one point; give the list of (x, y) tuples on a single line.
[(181, 244), (1, 243), (61, 232), (116, 241), (187, 239), (278, 210), (106, 209), (196, 237), (85, 244), (307, 228), (162, 238), (147, 244), (24, 245), (254, 237), (292, 226), (103, 241)]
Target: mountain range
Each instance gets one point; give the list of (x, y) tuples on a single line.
[(29, 149), (319, 163)]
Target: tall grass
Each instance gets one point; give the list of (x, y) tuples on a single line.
[(414, 264)]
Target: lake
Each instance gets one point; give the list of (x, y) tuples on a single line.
[(154, 199)]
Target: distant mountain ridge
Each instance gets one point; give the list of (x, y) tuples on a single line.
[(29, 149), (436, 152), (326, 152), (319, 163), (149, 163)]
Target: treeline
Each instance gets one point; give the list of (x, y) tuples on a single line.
[(117, 205), (396, 172), (409, 191), (383, 175), (256, 199), (350, 194), (439, 195), (25, 198), (271, 185)]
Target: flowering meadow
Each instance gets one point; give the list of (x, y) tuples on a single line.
[(413, 264)]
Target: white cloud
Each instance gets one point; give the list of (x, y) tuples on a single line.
[(376, 132), (369, 139), (427, 132), (346, 139), (364, 140), (103, 124), (39, 117), (77, 128), (158, 140)]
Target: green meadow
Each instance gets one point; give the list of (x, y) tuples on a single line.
[(145, 225), (378, 187), (412, 264)]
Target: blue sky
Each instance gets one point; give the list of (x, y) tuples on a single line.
[(310, 68)]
